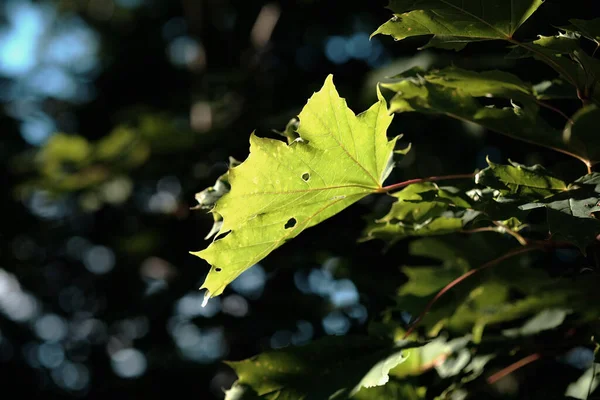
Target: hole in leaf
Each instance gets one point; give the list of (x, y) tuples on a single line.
[(495, 102), (290, 224), (218, 269), (305, 176)]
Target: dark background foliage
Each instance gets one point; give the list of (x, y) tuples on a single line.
[(98, 294)]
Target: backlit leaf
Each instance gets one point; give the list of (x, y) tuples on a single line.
[(282, 189)]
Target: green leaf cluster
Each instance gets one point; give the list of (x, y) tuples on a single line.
[(331, 368), (482, 241)]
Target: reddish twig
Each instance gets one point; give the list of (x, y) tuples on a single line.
[(515, 234), (461, 278), (513, 367), (556, 110), (478, 230)]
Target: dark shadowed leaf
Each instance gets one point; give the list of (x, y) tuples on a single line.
[(463, 95), (422, 209), (330, 368), (587, 28), (570, 214), (470, 20), (554, 89), (563, 53), (583, 135), (520, 180), (455, 43)]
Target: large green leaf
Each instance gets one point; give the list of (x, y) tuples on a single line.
[(282, 189), (330, 368), (463, 95), (462, 20)]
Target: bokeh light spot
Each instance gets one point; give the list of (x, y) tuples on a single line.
[(51, 327), (251, 282), (50, 355), (190, 306), (343, 293), (303, 334), (235, 305), (358, 46), (336, 323), (335, 50), (99, 260), (71, 376), (281, 339), (129, 363)]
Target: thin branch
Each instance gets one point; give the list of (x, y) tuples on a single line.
[(556, 110), (461, 278), (513, 367), (499, 229), (512, 233), (477, 230), (583, 160), (533, 245), (550, 243), (400, 185), (549, 60)]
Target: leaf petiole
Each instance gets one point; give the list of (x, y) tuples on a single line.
[(387, 189)]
